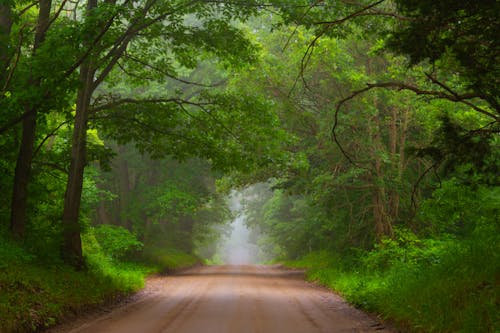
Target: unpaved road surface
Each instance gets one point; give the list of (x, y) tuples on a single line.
[(231, 299)]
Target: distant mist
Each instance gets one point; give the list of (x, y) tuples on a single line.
[(236, 248)]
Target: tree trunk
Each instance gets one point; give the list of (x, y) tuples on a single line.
[(18, 210), (23, 164), (394, 195), (102, 216), (71, 251), (124, 188), (72, 244), (382, 220), (5, 27), (383, 223)]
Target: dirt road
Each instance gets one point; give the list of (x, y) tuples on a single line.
[(232, 299)]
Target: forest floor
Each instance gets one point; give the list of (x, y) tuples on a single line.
[(227, 298)]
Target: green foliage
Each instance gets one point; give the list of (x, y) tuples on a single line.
[(464, 151), (116, 242), (10, 252), (458, 209), (168, 260), (235, 131), (404, 248), (35, 296), (421, 285), (463, 34)]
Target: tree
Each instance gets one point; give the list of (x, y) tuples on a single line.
[(33, 85), (162, 24), (454, 36), (23, 165), (452, 46), (354, 191)]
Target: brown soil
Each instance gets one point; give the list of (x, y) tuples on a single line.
[(229, 299)]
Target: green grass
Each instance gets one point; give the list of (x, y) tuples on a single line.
[(35, 295), (451, 288), (169, 260)]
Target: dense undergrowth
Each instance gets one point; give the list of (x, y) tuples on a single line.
[(36, 293), (422, 285)]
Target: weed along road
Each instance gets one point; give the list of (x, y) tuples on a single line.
[(231, 299)]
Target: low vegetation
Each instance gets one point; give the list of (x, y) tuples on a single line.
[(422, 285), (36, 294)]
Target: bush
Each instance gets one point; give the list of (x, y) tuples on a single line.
[(35, 295), (404, 248), (116, 242), (423, 285), (458, 209)]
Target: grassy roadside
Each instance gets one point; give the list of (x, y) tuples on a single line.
[(420, 285), (36, 295)]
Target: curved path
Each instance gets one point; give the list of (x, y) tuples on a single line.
[(231, 299)]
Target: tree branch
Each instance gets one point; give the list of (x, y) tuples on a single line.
[(451, 96), (58, 12), (163, 72), (116, 103), (329, 24), (52, 133), (25, 9)]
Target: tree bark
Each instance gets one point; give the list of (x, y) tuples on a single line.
[(124, 188), (394, 195), (18, 217), (71, 251), (18, 210), (382, 220), (5, 28), (72, 244)]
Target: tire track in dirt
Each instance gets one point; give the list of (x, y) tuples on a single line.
[(231, 299)]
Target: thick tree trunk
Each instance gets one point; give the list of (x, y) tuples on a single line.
[(72, 244), (22, 173), (5, 27), (71, 251)]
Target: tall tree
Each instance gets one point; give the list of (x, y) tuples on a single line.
[(23, 165), (170, 30)]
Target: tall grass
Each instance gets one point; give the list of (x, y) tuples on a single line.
[(437, 286)]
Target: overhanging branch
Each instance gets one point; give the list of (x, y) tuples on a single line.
[(115, 103), (449, 95)]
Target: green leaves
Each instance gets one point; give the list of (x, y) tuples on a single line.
[(458, 37), (173, 203), (234, 131), (115, 241)]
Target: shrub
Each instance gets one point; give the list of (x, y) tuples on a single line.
[(116, 242)]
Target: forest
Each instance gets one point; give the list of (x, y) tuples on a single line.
[(362, 135)]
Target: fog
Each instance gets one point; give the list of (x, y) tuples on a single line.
[(236, 248)]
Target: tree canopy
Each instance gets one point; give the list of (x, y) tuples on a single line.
[(367, 130)]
